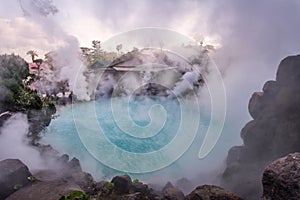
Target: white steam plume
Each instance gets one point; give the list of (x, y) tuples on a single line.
[(15, 144), (66, 57)]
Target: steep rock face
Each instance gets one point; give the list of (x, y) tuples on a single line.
[(13, 174), (281, 178), (274, 131)]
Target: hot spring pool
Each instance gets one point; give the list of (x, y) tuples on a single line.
[(140, 126)]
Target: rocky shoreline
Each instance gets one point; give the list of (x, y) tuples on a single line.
[(19, 183), (281, 180)]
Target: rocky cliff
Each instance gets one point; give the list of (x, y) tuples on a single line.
[(274, 131)]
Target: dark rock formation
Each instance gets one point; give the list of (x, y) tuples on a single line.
[(66, 166), (16, 182), (13, 175), (139, 187), (84, 180), (46, 150), (49, 184), (74, 165), (4, 116), (184, 184), (134, 196), (173, 194), (122, 184), (281, 179), (50, 190), (100, 185), (167, 186), (274, 131), (38, 120), (211, 192), (170, 192)]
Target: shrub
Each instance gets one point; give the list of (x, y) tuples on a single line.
[(75, 195)]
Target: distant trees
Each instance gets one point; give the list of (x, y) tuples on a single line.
[(97, 54), (96, 51), (94, 54), (119, 47)]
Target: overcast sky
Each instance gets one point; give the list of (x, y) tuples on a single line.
[(247, 25), (255, 35)]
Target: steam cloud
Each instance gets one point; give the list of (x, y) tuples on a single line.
[(15, 144), (254, 35), (66, 57)]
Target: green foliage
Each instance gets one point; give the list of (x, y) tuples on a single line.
[(32, 54), (97, 54), (31, 178), (135, 181), (75, 195), (15, 94), (27, 99), (109, 186), (13, 70), (17, 186)]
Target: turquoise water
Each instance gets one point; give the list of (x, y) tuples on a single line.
[(157, 122), (138, 111)]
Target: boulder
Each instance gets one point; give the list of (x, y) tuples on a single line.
[(100, 185), (173, 194), (122, 184), (50, 190), (281, 178), (210, 192), (13, 175), (139, 187)]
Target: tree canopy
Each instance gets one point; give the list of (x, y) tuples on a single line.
[(32, 54), (15, 94)]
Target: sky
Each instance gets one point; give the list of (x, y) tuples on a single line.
[(253, 35)]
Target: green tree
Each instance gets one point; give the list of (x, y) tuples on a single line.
[(32, 54), (119, 47), (13, 70), (16, 96), (97, 52)]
